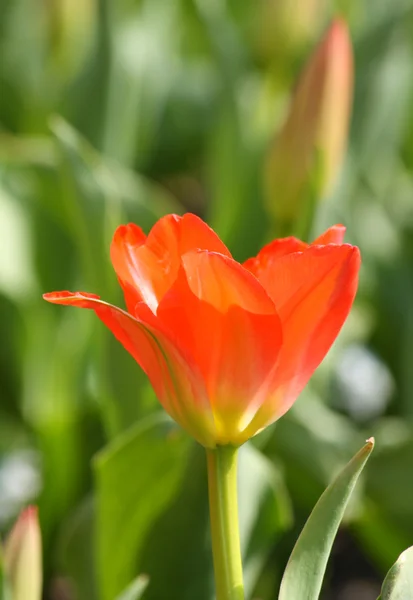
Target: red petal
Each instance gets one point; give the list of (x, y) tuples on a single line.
[(313, 293), (178, 386), (226, 322), (272, 251), (147, 268), (222, 282), (333, 235), (278, 248), (80, 299)]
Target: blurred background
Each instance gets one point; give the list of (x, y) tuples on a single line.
[(112, 111)]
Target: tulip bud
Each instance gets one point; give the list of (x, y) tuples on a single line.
[(283, 27), (303, 161), (23, 557)]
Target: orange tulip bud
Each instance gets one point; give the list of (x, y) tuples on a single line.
[(227, 347), (304, 159), (23, 557)]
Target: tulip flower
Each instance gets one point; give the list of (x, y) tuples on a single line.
[(23, 557), (305, 157), (227, 347)]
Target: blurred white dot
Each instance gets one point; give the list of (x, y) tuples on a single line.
[(20, 482), (16, 272), (365, 383)]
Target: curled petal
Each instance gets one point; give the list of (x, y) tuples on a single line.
[(176, 382), (80, 299), (294, 277), (272, 251), (333, 235), (222, 282), (147, 267), (262, 265)]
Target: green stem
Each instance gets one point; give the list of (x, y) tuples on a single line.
[(223, 505)]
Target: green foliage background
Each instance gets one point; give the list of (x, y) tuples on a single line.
[(117, 110)]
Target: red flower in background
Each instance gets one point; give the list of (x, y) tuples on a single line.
[(227, 347)]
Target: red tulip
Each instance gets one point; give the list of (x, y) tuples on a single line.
[(227, 347)]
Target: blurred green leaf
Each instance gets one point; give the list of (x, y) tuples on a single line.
[(98, 195), (388, 517), (386, 480), (236, 208), (58, 408), (323, 440), (137, 477), (136, 589), (76, 550), (16, 270), (5, 593), (177, 552), (26, 101), (2, 582), (10, 329), (382, 100), (128, 385), (265, 511), (304, 573), (143, 46), (398, 584), (379, 535)]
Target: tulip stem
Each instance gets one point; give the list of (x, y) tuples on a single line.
[(223, 506)]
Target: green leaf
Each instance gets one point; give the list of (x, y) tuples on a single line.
[(184, 525), (137, 477), (314, 443), (135, 590), (143, 43), (264, 514), (75, 550), (98, 194), (3, 590), (303, 576), (264, 511), (236, 211), (398, 584), (387, 474)]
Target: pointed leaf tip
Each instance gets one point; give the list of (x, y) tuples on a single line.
[(136, 589), (303, 576)]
